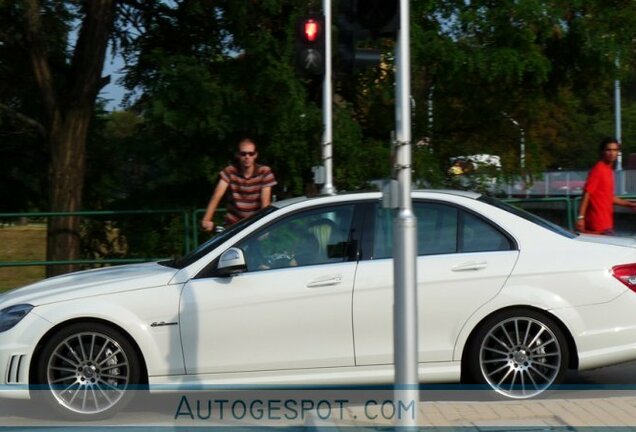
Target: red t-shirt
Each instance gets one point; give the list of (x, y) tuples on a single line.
[(599, 215)]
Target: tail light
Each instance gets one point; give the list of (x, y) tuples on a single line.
[(626, 273)]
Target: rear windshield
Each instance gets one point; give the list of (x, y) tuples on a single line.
[(527, 216)]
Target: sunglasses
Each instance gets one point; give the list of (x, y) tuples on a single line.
[(244, 153)]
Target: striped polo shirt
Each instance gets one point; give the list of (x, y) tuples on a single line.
[(244, 194)]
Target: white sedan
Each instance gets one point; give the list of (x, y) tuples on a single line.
[(302, 294)]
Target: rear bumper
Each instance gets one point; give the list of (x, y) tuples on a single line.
[(604, 334)]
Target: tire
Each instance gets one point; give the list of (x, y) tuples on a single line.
[(518, 353), (87, 371)]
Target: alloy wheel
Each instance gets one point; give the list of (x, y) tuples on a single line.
[(520, 357), (88, 372)]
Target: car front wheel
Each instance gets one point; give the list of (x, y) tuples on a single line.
[(518, 353), (86, 371)]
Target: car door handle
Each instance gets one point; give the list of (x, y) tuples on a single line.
[(471, 265), (325, 281)]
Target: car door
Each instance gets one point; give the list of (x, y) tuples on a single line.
[(463, 261), (291, 309)]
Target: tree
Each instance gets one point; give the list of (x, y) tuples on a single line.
[(68, 94), (204, 73), (23, 163), (549, 65), (210, 73)]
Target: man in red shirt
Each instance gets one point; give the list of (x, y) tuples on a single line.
[(596, 214), (248, 186)]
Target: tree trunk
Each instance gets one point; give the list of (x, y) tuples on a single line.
[(66, 180), (69, 108)]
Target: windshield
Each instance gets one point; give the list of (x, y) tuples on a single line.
[(219, 238), (527, 216)]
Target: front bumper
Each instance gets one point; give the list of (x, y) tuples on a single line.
[(17, 346)]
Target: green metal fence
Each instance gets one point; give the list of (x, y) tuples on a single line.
[(197, 215), (623, 217), (558, 210), (184, 215)]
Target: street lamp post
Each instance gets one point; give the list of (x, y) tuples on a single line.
[(617, 117), (522, 141), (327, 113), (405, 238)]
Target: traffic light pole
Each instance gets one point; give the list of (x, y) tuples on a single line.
[(327, 118), (405, 239)]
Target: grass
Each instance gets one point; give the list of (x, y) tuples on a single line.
[(21, 243)]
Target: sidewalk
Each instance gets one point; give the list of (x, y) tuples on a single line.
[(457, 409), (560, 413)]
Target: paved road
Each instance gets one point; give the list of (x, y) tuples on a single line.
[(623, 374)]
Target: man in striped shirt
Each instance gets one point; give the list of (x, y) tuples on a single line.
[(247, 184)]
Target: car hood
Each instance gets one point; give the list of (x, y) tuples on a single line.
[(616, 241), (90, 283)]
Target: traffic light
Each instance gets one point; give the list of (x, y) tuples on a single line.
[(310, 45), (378, 17), (359, 20)]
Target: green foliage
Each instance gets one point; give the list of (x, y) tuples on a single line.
[(202, 74), (426, 168), (23, 147), (133, 236), (547, 65)]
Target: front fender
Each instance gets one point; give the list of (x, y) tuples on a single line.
[(134, 312)]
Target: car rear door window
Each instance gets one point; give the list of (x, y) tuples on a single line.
[(436, 230), (480, 236), (441, 229)]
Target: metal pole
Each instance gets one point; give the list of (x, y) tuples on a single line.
[(327, 119), (617, 112), (522, 141), (522, 150), (431, 117), (405, 241), (620, 184)]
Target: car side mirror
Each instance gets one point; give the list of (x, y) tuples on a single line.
[(231, 262)]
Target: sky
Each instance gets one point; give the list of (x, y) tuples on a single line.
[(113, 92)]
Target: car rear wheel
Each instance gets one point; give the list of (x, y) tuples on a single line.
[(86, 371), (518, 353)]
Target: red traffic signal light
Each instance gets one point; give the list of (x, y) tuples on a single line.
[(310, 30), (310, 45)]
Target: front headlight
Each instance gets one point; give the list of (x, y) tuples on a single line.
[(12, 315)]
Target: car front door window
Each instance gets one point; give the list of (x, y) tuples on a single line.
[(314, 237)]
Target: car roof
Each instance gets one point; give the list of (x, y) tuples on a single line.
[(372, 195), (462, 193)]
